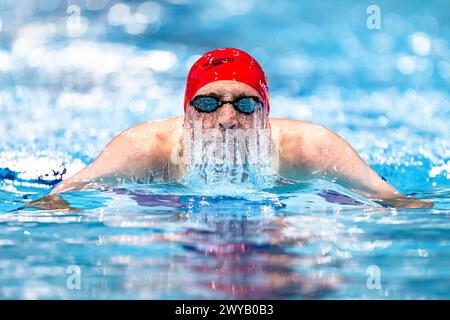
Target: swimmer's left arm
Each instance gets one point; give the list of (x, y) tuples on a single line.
[(329, 156), (353, 172)]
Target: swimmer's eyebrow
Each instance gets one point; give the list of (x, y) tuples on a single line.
[(222, 94), (212, 94)]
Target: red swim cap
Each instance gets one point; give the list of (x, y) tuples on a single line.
[(226, 64)]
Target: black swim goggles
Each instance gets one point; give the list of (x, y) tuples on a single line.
[(246, 105)]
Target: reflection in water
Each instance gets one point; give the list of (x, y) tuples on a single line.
[(231, 256), (165, 241), (239, 267)]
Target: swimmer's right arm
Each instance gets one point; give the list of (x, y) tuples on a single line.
[(85, 178), (132, 153), (107, 164)]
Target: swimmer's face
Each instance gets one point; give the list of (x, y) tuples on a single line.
[(226, 116)]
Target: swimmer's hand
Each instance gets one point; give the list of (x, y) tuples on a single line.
[(406, 202), (50, 202)]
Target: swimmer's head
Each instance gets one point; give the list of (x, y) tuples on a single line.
[(226, 89)]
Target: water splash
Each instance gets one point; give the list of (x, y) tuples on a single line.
[(231, 159)]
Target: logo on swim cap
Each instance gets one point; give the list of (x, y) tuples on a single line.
[(210, 64), (226, 64)]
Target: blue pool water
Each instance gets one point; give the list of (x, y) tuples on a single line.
[(68, 86)]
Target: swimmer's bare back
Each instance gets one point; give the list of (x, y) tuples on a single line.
[(306, 151)]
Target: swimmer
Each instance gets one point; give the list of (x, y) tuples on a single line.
[(227, 90)]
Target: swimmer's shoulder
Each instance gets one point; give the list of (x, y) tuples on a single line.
[(290, 128), (162, 126), (149, 136), (154, 130), (301, 142)]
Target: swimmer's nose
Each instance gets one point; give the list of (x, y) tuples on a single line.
[(228, 117), (227, 126)]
